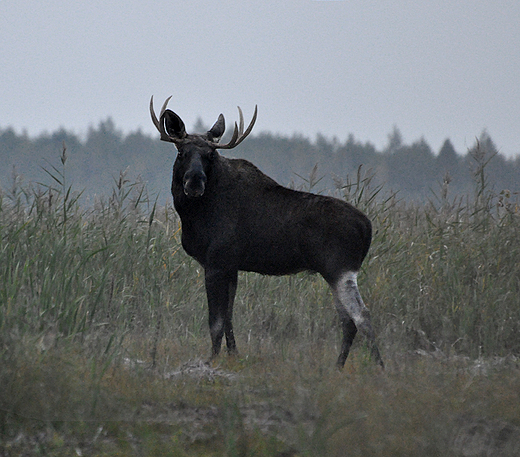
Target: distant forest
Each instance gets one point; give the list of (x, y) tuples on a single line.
[(95, 163)]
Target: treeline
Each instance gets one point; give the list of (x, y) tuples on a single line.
[(94, 164)]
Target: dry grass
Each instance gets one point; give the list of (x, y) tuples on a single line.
[(103, 332), (268, 403)]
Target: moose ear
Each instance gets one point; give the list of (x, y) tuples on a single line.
[(218, 129), (174, 125)]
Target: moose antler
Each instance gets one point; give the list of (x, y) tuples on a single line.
[(159, 124), (238, 134)]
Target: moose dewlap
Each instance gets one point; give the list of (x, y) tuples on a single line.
[(235, 218)]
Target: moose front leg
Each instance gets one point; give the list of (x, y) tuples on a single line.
[(221, 286)]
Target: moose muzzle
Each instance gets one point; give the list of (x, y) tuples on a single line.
[(194, 181)]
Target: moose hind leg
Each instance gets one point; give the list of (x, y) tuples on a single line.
[(354, 316), (220, 290), (349, 333)]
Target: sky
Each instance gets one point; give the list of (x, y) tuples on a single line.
[(434, 69)]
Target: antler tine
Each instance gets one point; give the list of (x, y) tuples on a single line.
[(251, 124), (232, 143), (154, 117), (238, 134), (165, 104), (241, 125), (244, 135), (159, 124)]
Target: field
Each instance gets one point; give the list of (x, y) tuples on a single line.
[(103, 334)]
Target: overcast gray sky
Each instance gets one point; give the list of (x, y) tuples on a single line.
[(435, 69)]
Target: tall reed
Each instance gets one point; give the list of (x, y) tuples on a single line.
[(98, 303), (439, 276)]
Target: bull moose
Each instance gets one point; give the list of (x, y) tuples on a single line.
[(235, 218)]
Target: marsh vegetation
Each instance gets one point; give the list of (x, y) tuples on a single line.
[(103, 330)]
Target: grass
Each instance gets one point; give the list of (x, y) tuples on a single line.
[(103, 325)]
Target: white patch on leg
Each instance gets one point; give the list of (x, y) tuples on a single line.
[(347, 298), (216, 328), (349, 276)]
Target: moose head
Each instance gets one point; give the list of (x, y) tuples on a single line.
[(197, 153)]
